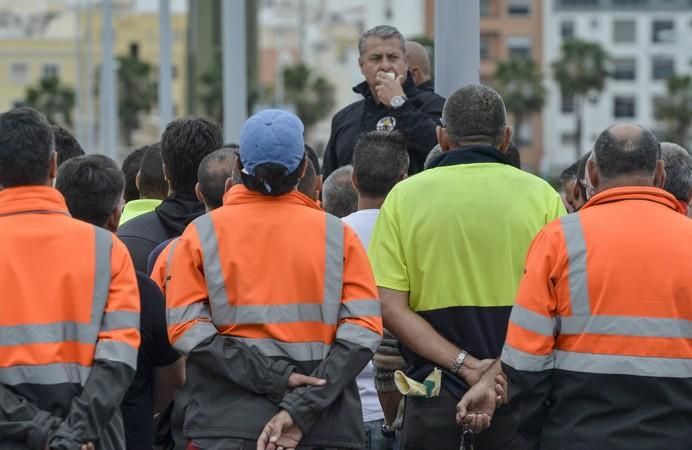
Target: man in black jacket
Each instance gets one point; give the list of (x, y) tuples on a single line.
[(390, 101), (184, 143)]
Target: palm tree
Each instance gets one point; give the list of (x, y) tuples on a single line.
[(581, 71), (312, 95), (676, 107), (136, 93), (53, 99), (520, 83)]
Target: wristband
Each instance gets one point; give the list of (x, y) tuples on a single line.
[(458, 362)]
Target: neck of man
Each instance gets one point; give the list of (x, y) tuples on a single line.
[(625, 181), (365, 202)]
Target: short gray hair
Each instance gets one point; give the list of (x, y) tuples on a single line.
[(339, 196), (474, 114), (678, 170), (381, 32)]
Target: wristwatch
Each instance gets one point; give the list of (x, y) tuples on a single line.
[(388, 431), (398, 101)]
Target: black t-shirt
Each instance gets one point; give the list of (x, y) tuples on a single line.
[(155, 351)]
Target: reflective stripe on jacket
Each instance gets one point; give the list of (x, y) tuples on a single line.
[(604, 315), (69, 298), (280, 276)]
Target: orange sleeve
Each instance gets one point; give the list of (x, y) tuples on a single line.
[(119, 336), (360, 316), (158, 273), (187, 299), (532, 324)]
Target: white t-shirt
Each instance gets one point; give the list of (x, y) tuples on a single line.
[(363, 223)]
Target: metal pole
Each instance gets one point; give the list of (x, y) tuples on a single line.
[(234, 68), (109, 106), (79, 98), (457, 44), (165, 72), (89, 84)]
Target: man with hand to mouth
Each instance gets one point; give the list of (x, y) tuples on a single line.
[(390, 102)]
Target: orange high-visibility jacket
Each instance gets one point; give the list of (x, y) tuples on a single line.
[(599, 344), (69, 298), (280, 276)]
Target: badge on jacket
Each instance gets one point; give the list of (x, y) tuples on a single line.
[(386, 124)]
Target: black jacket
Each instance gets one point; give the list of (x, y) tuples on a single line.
[(417, 119), (142, 234)]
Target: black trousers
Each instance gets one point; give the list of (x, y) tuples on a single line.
[(430, 424)]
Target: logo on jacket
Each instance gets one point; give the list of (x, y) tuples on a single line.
[(386, 124)]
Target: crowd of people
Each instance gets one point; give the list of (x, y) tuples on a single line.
[(414, 290)]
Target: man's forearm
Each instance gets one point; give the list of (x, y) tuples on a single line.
[(422, 339)]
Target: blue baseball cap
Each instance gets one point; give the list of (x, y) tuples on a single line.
[(272, 136)]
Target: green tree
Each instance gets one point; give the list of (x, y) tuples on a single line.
[(53, 99), (311, 94), (136, 93), (581, 71), (676, 107), (520, 83)]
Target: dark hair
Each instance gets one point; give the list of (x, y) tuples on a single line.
[(308, 183), (474, 114), (678, 170), (66, 146), (184, 143), (130, 167), (212, 174), (272, 179), (152, 183), (92, 186), (339, 196), (380, 160), (513, 155), (569, 173), (312, 156), (629, 152), (26, 144)]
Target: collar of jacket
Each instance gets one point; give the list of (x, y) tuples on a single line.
[(427, 86), (409, 88), (32, 198), (239, 194), (651, 194), (472, 154)]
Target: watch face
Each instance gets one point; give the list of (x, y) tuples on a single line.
[(398, 101)]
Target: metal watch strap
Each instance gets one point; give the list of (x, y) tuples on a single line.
[(459, 361)]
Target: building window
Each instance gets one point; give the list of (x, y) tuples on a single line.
[(485, 48), (662, 31), (655, 104), (625, 69), (567, 104), (567, 29), (525, 134), (663, 67), (50, 71), (624, 31), (519, 47), (594, 23), (568, 140), (519, 7), (19, 72), (624, 107)]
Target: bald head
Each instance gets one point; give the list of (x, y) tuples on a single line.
[(418, 62), (626, 150)]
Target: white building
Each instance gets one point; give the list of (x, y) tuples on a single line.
[(647, 40)]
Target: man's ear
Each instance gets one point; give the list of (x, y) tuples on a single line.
[(113, 220), (660, 174), (139, 174), (360, 64), (198, 193), (354, 180), (442, 138), (53, 167), (506, 140), (594, 174), (165, 173), (576, 192)]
